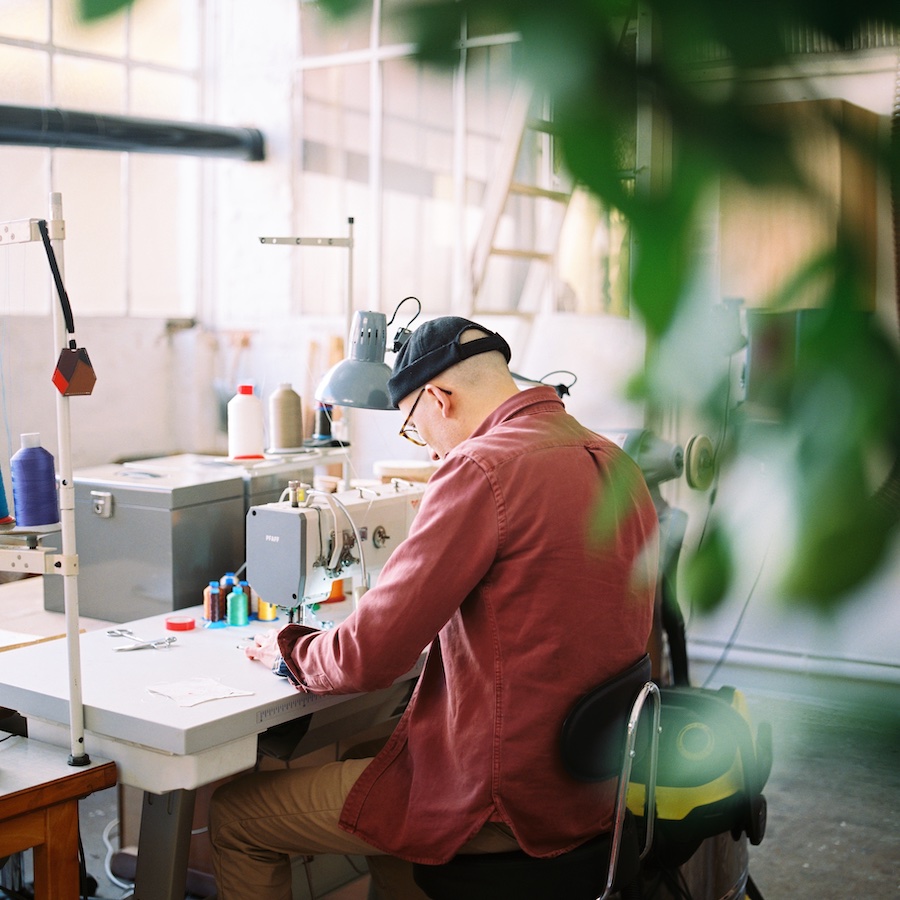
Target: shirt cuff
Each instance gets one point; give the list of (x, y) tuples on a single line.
[(281, 669)]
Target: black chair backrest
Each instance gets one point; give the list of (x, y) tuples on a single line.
[(594, 733)]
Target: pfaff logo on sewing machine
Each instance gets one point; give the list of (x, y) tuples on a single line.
[(273, 538)]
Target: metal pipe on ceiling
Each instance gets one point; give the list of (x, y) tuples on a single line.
[(52, 127)]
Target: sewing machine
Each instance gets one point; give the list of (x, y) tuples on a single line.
[(168, 750), (301, 549)]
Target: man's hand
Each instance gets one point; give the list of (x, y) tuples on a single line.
[(264, 648)]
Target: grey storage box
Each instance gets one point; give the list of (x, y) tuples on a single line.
[(149, 539), (264, 479)]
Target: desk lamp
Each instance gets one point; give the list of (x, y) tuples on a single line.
[(361, 379)]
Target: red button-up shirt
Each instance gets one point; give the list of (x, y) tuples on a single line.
[(526, 606)]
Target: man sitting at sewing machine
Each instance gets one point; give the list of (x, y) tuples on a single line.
[(530, 570)]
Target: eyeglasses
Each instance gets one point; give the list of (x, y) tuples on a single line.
[(409, 431)]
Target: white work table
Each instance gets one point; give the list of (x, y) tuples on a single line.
[(159, 746)]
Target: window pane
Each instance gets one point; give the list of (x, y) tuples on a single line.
[(25, 278), (166, 32), (24, 183), (24, 77), (91, 187), (394, 22), (87, 84), (26, 20), (111, 201), (164, 239), (334, 184), (321, 35), (160, 95), (106, 36), (419, 213)]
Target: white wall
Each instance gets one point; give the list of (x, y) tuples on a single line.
[(132, 409)]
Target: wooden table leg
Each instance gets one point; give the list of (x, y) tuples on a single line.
[(57, 874)]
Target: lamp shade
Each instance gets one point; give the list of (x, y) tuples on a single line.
[(361, 379)]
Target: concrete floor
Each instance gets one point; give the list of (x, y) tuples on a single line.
[(834, 803), (833, 795)]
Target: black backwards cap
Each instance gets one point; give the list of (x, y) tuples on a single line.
[(435, 346)]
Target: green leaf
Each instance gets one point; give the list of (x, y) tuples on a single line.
[(93, 10), (841, 545), (708, 571), (621, 481)]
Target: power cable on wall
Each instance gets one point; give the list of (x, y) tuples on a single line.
[(732, 638)]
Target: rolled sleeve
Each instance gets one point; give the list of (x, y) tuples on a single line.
[(289, 638)]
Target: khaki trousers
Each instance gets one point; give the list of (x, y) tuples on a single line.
[(259, 821)]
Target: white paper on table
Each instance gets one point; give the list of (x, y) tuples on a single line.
[(196, 690)]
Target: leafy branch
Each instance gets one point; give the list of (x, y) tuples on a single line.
[(830, 439)]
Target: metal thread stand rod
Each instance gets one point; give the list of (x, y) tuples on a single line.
[(78, 757), (65, 564)]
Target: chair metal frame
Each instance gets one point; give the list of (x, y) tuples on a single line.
[(587, 771), (652, 691)]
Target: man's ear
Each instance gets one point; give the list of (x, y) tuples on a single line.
[(443, 399)]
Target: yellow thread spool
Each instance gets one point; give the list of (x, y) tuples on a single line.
[(266, 612)]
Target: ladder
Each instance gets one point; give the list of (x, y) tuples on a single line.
[(528, 194)]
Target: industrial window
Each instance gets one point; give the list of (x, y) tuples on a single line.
[(132, 220), (415, 146)]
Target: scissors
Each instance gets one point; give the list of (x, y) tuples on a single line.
[(139, 643)]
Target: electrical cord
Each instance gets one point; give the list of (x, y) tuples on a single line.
[(85, 890), (403, 333), (57, 278), (107, 862), (82, 871), (732, 639), (561, 389)]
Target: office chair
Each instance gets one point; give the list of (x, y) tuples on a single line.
[(597, 742)]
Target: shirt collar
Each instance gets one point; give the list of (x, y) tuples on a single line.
[(524, 403)]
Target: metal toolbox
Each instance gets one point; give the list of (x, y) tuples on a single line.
[(264, 479), (151, 534), (149, 539)]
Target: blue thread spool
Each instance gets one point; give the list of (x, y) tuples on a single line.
[(34, 484)]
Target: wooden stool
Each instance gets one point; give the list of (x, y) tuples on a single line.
[(39, 794)]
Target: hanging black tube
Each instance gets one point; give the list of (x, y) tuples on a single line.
[(50, 127)]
